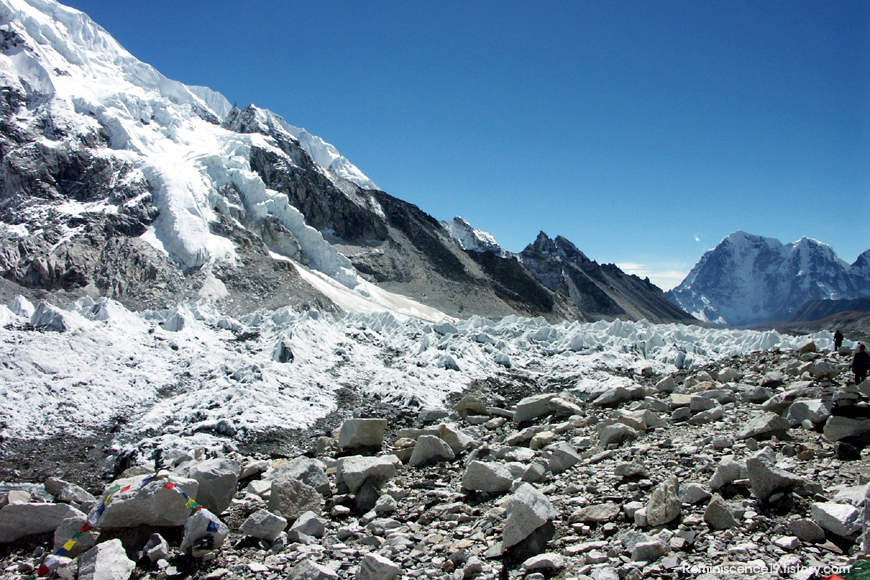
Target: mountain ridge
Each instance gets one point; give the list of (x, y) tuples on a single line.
[(750, 280)]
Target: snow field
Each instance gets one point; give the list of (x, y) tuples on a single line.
[(192, 376)]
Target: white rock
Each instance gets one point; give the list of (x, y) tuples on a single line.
[(376, 567), (533, 407), (204, 528), (106, 561), (310, 524), (487, 477), (150, 504), (527, 510), (218, 480), (840, 519), (355, 470), (357, 433), (18, 520), (430, 449), (264, 525)]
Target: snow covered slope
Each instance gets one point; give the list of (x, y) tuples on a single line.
[(749, 279), (190, 376)]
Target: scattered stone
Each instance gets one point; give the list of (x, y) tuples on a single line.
[(719, 514), (106, 561), (355, 470), (533, 407), (615, 434), (217, 481), (291, 498), (311, 472), (264, 525), (310, 524), (18, 520), (767, 479), (362, 433), (562, 457), (527, 511), (839, 519), (204, 531), (837, 427), (430, 449), (376, 567), (487, 477), (664, 504), (597, 513), (807, 531), (308, 570), (764, 426)]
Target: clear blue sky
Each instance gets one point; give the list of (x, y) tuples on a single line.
[(644, 132)]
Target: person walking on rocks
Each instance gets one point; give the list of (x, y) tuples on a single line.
[(838, 340), (861, 364)]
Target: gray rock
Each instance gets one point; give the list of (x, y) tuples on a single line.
[(615, 434), (430, 449), (666, 385), (630, 469), (664, 504), (376, 567), (807, 530), (150, 504), (562, 457), (470, 405), (310, 524), (837, 428), (204, 530), (458, 440), (355, 470), (65, 492), (218, 480), (67, 529), (613, 397), (157, 548), (839, 519), (756, 395), (264, 525), (649, 551), (815, 411), (728, 471), (106, 561), (527, 510), (291, 498), (693, 493), (18, 520), (563, 408), (533, 407), (764, 426), (773, 379), (547, 561), (308, 570), (362, 433), (765, 478), (719, 514), (487, 477), (311, 472), (597, 513)]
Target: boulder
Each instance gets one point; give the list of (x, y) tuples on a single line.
[(377, 567), (308, 570), (766, 479), (533, 407), (664, 504), (839, 519), (203, 530), (597, 513), (18, 520), (67, 529), (615, 433), (693, 494), (355, 470), (562, 457), (764, 426), (728, 471), (458, 440), (470, 405), (310, 524), (814, 411), (362, 433), (106, 561), (666, 385), (150, 503), (527, 510), (807, 531), (218, 480), (311, 472), (291, 498), (719, 515), (65, 492), (837, 427), (430, 449), (487, 477), (263, 525)]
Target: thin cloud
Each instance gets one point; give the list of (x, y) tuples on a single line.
[(661, 275)]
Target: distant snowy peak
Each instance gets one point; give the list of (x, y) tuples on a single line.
[(749, 279), (471, 239), (861, 266)]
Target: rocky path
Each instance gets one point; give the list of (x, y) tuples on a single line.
[(754, 468)]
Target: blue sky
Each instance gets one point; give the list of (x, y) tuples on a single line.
[(644, 132)]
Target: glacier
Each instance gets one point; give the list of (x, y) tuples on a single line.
[(192, 377)]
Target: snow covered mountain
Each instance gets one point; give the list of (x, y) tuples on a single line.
[(116, 181), (749, 279)]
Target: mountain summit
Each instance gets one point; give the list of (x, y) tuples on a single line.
[(116, 181), (749, 279)]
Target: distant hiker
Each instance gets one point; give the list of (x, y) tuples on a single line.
[(838, 340), (861, 364)]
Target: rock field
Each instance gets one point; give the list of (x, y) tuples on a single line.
[(752, 468)]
